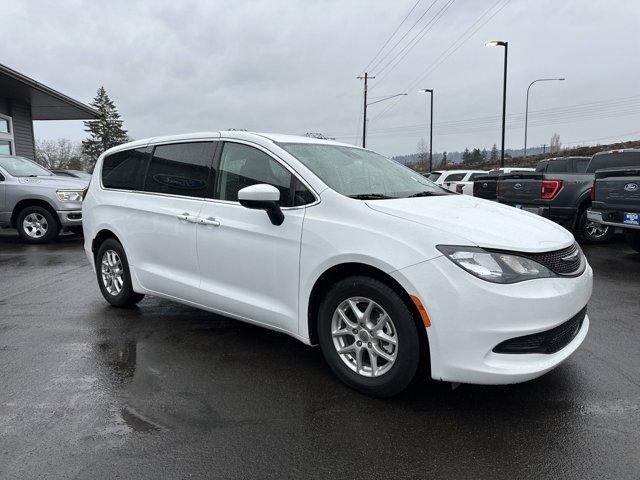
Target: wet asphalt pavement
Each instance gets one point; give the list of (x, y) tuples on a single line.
[(168, 391)]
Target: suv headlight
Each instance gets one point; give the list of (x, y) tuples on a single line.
[(69, 195), (496, 267)]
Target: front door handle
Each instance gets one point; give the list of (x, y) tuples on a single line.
[(209, 221), (185, 217)]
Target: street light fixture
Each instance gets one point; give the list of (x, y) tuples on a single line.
[(526, 114), (500, 43), (430, 90)]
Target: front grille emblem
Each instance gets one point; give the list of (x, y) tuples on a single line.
[(571, 257), (517, 186), (631, 187)]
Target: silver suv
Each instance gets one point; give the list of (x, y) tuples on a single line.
[(36, 202)]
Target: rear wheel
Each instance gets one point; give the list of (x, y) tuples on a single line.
[(114, 278), (589, 231), (633, 239), (36, 224), (368, 336)]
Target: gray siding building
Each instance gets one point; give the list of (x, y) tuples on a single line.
[(23, 100)]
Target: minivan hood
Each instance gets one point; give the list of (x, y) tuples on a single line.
[(482, 222), (55, 182)]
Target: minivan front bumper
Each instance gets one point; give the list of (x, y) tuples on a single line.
[(470, 317)]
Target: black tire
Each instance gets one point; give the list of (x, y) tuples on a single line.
[(411, 350), (586, 233), (633, 239), (48, 226), (126, 297)]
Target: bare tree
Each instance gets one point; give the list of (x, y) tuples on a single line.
[(554, 143), (422, 164), (60, 153)]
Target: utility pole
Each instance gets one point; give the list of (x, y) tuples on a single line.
[(364, 121), (500, 43)]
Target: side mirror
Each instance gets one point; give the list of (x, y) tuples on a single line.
[(262, 197)]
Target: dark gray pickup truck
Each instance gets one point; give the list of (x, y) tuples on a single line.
[(560, 189), (615, 198)]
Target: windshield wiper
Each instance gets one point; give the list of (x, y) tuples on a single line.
[(370, 196), (424, 194)]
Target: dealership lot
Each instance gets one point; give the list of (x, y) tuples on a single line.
[(91, 391)]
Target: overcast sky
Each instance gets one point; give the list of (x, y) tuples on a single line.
[(291, 66)]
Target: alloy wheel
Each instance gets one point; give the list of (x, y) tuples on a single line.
[(35, 225), (364, 336), (596, 230), (112, 272)]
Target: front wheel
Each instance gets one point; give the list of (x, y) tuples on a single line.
[(589, 231), (633, 239), (113, 274), (36, 224), (368, 336)]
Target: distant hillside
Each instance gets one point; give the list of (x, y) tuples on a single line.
[(517, 160)]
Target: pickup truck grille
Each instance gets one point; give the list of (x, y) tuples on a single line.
[(567, 261), (549, 341)]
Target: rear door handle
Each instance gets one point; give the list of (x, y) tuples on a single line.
[(209, 221)]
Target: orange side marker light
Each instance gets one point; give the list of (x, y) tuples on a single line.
[(423, 311)]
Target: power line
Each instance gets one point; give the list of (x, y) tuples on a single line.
[(461, 40), (392, 35), (395, 61), (375, 65)]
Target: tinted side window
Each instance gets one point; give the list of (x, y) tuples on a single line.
[(454, 177), (181, 169), (542, 166), (473, 176), (124, 170), (242, 166), (557, 166), (581, 165), (614, 160)]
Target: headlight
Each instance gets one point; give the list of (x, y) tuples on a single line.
[(69, 195), (496, 267)]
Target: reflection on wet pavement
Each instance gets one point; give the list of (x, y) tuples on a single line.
[(168, 391)]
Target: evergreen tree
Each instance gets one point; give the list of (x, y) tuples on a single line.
[(104, 132), (476, 155), (466, 156), (493, 156)]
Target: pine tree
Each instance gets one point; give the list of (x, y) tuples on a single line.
[(466, 156), (104, 132), (493, 156)]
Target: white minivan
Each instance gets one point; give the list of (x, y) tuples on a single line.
[(393, 276)]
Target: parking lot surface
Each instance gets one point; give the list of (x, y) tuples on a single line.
[(168, 391)]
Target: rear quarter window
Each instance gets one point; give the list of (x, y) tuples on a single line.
[(557, 166), (613, 160), (124, 170)]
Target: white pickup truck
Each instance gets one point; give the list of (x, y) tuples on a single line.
[(449, 179)]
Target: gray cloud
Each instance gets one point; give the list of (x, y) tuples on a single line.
[(290, 66)]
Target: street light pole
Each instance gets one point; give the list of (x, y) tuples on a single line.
[(499, 43), (429, 90), (364, 108), (526, 112)]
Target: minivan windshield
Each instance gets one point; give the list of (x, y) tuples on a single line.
[(21, 167), (361, 174)]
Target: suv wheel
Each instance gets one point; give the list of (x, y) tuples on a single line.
[(37, 225), (633, 239), (592, 232), (368, 336), (113, 274)]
